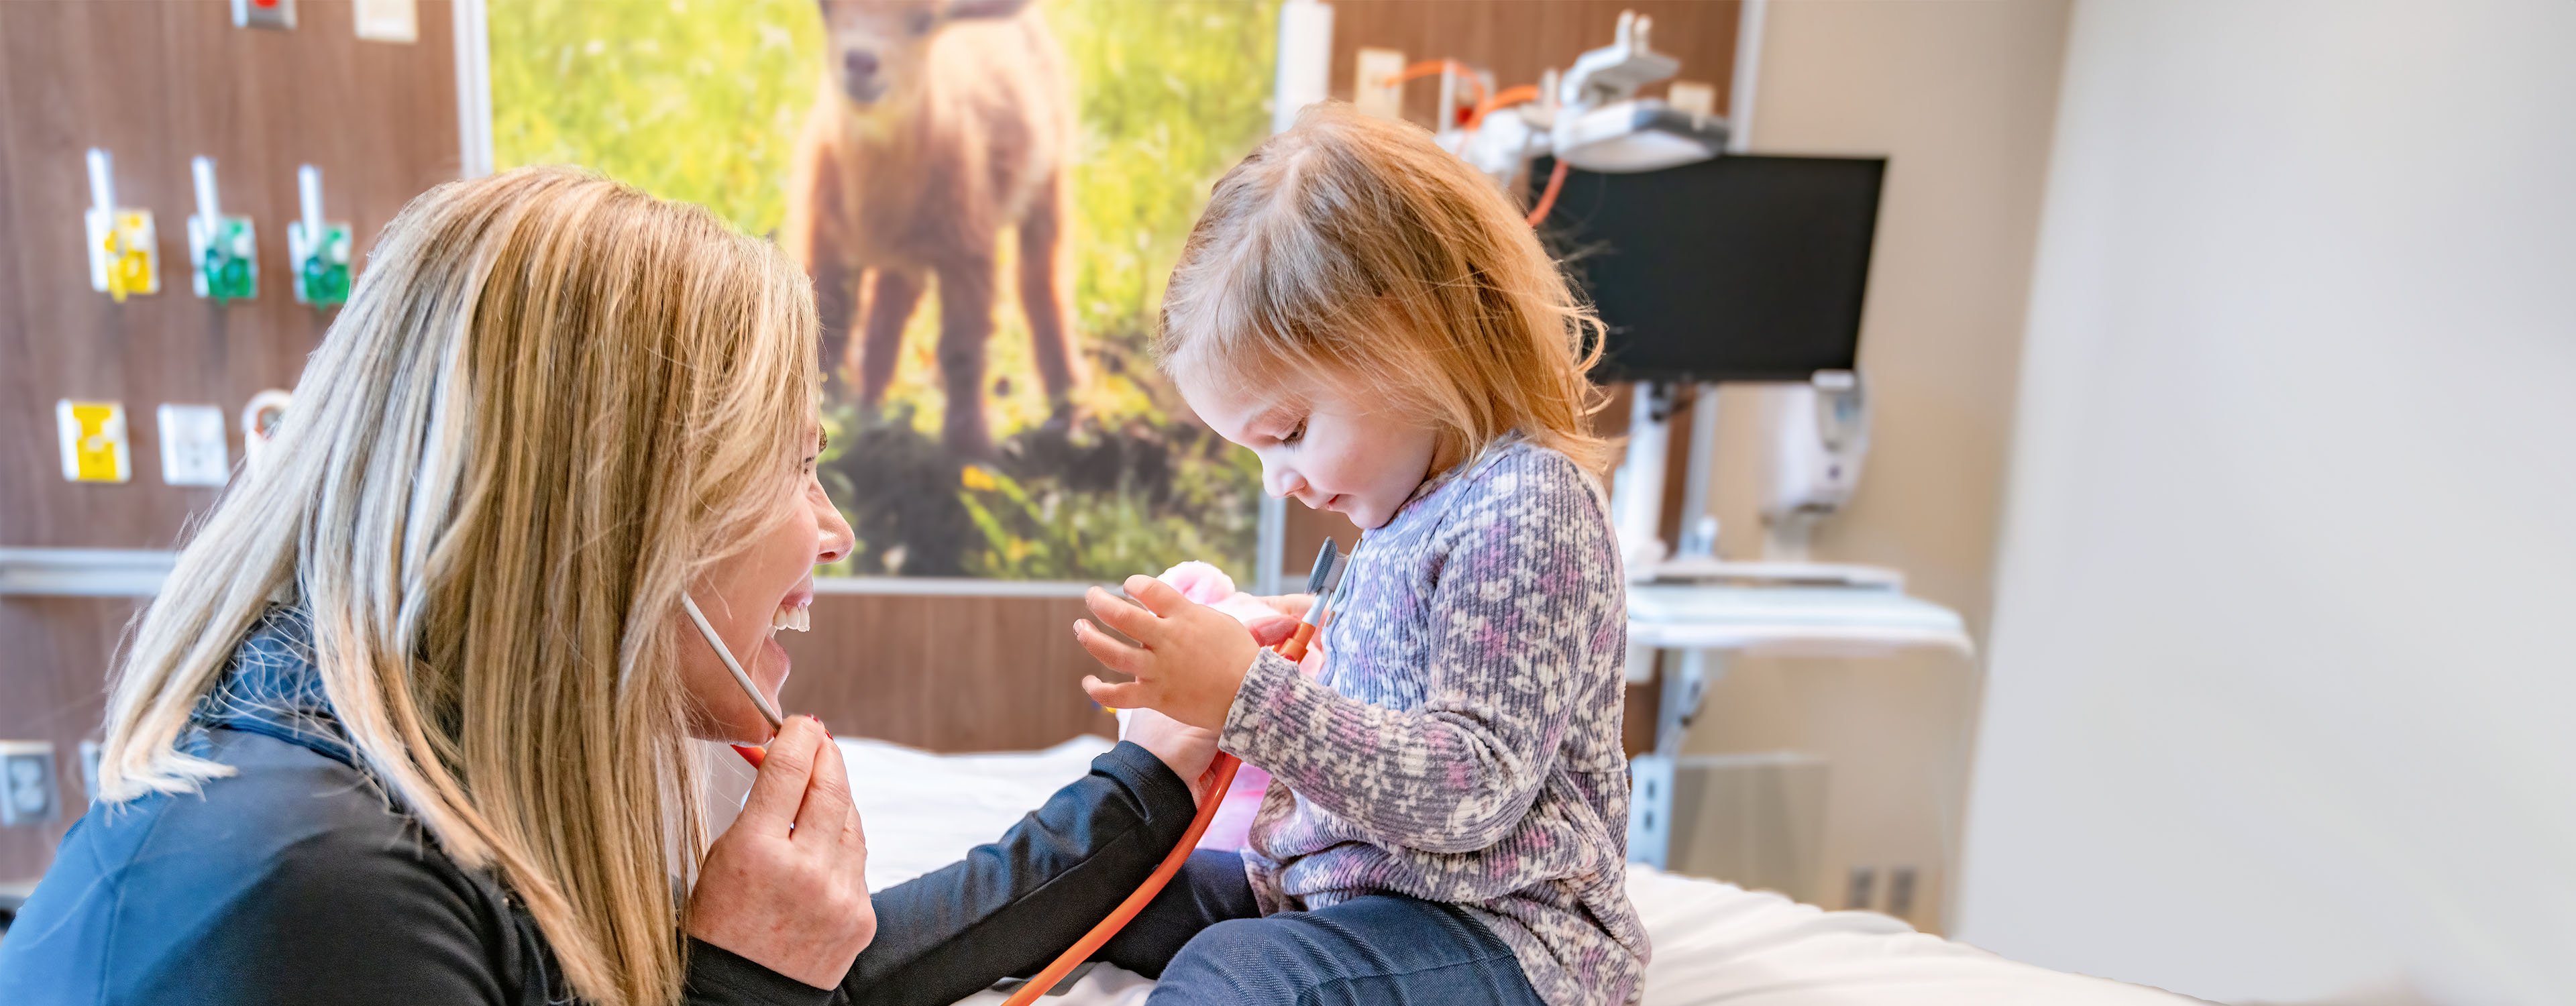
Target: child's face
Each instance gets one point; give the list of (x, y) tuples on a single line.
[(1330, 449)]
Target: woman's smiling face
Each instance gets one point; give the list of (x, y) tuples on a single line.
[(749, 595)]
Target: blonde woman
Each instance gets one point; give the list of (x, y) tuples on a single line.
[(409, 721)]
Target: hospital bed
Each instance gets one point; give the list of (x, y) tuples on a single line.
[(1714, 943)]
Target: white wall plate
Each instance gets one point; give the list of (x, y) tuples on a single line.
[(193, 448)]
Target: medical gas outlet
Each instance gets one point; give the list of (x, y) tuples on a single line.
[(318, 249), (123, 260), (223, 252), (93, 441)]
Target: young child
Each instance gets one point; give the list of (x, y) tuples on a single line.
[(1449, 799)]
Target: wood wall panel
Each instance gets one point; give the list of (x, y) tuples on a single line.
[(945, 673), (53, 686), (157, 82), (1516, 39)]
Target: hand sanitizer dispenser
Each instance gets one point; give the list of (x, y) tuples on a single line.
[(1819, 434)]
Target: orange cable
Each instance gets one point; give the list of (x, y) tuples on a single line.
[(1547, 199), (1513, 95), (1431, 66)]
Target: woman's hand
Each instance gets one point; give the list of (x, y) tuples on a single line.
[(1276, 629), (1188, 751), (786, 887), (1192, 661)]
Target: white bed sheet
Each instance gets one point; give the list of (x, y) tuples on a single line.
[(1713, 943)]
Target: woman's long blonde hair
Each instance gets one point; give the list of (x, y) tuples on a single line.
[(1355, 247), (550, 401)]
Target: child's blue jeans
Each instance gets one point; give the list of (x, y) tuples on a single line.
[(1207, 942)]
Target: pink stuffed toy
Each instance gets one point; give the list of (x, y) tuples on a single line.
[(1209, 585)]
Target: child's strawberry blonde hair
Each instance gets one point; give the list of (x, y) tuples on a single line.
[(1354, 246)]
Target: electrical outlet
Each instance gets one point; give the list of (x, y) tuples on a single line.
[(192, 445), (1374, 89), (1864, 888), (1900, 891), (1650, 833), (27, 784)]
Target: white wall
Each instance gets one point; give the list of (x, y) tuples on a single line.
[(2282, 701), (1959, 97)]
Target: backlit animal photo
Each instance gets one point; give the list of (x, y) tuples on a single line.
[(987, 195)]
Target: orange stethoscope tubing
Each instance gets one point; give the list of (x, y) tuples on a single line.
[(1547, 199), (1224, 765), (1082, 949), (1294, 649)]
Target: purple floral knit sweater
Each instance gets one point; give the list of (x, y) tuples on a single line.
[(1462, 742)]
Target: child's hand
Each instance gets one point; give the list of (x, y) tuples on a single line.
[(1192, 660)]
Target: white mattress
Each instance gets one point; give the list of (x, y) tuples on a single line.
[(1713, 943)]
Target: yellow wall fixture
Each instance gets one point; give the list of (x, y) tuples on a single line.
[(93, 438), (123, 260)]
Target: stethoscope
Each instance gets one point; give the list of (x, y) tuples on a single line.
[(740, 677), (1329, 581)]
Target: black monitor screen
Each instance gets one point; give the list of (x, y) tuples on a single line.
[(1741, 268)]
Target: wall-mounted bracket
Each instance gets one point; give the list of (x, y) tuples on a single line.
[(124, 256), (275, 15), (318, 250), (223, 252)]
